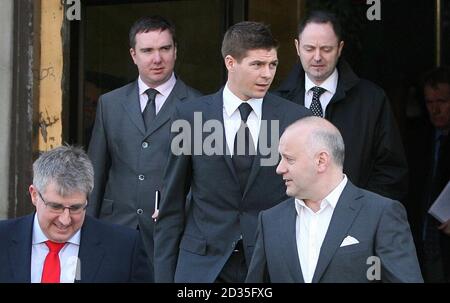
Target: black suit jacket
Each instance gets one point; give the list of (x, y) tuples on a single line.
[(374, 155), (129, 160), (421, 143), (108, 253), (379, 224), (193, 245)]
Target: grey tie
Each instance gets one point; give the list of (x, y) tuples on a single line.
[(149, 112), (316, 107)]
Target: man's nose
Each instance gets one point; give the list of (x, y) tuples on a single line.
[(317, 55), (157, 57), (65, 218), (280, 168)]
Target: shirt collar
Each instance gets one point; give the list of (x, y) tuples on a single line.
[(40, 237), (231, 103), (330, 84), (332, 198), (164, 89)]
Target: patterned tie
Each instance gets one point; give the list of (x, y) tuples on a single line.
[(149, 112), (244, 147), (52, 268), (316, 107)]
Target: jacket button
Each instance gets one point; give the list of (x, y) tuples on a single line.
[(141, 177), (140, 211), (145, 145)]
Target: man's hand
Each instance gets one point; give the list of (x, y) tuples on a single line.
[(445, 228)]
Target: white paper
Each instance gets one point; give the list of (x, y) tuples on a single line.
[(441, 207)]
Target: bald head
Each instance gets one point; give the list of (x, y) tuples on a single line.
[(316, 134)]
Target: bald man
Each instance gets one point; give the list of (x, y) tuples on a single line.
[(332, 230)]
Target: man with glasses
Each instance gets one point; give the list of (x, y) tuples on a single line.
[(58, 242), (326, 84)]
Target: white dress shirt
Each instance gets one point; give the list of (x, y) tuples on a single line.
[(232, 117), (68, 256), (164, 91), (330, 84), (311, 228)]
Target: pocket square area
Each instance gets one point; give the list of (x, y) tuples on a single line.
[(349, 240)]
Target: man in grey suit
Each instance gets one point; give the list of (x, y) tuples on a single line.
[(330, 230), (213, 239), (130, 140)]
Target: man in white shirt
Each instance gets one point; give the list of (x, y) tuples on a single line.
[(130, 141), (212, 240), (59, 243), (325, 83), (332, 230)]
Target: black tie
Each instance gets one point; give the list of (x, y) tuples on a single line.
[(149, 112), (244, 148), (316, 107)]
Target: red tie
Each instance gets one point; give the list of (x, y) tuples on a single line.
[(52, 268)]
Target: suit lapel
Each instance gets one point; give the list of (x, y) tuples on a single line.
[(289, 242), (269, 114), (20, 250), (132, 106), (179, 92), (344, 214), (91, 252)]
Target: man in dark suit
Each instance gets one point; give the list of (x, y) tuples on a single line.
[(59, 243), (230, 179), (361, 111), (429, 156), (330, 230), (130, 141)]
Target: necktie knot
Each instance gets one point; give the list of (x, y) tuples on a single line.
[(54, 247), (151, 93), (317, 90), (245, 109)]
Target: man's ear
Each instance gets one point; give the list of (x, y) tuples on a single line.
[(297, 46), (33, 193), (133, 54), (230, 62), (323, 160), (340, 47)]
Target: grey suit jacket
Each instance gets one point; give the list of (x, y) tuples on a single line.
[(193, 245), (128, 160), (379, 224)]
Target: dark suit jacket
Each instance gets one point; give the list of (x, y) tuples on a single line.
[(374, 155), (421, 143), (193, 246), (108, 253), (378, 223), (128, 160)]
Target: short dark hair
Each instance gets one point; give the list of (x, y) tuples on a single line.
[(245, 36), (436, 76), (321, 17), (146, 24)]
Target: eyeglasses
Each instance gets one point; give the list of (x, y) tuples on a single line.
[(58, 208)]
